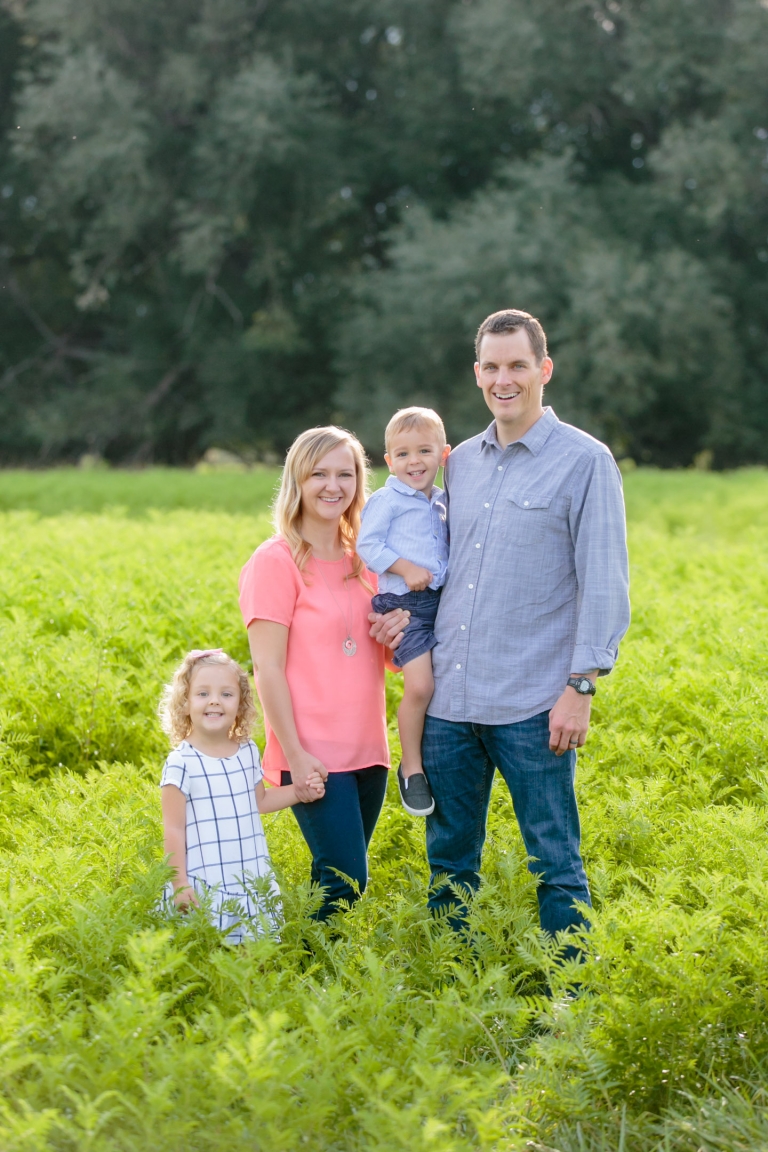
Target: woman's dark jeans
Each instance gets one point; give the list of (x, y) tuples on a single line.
[(460, 760), (338, 830)]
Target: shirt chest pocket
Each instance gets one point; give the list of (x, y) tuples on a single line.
[(525, 517)]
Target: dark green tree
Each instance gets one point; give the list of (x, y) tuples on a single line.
[(197, 184), (223, 222), (634, 224)]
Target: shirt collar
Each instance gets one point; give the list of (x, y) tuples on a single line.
[(393, 482), (534, 439)]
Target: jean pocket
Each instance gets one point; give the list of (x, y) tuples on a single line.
[(525, 518)]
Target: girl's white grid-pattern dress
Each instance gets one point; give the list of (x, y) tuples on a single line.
[(226, 847)]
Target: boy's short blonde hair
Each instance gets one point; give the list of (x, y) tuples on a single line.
[(406, 419), (174, 703)]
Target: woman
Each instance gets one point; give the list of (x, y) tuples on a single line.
[(305, 597)]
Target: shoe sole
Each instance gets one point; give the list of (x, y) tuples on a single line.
[(418, 811)]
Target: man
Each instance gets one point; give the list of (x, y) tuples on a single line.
[(532, 612)]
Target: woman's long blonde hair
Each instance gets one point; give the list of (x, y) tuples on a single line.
[(303, 455)]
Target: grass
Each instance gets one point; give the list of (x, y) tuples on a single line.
[(121, 1031), (73, 490)]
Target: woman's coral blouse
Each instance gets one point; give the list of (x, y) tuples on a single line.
[(338, 700)]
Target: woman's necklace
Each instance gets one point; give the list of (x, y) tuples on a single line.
[(348, 647)]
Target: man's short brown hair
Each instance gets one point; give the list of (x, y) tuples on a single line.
[(511, 320)]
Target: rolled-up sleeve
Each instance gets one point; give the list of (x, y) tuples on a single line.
[(372, 540), (598, 531)]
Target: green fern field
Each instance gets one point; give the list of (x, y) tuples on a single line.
[(122, 1032)]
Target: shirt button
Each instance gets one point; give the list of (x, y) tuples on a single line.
[(477, 545), (458, 665), (526, 503), (463, 627), (470, 585), (487, 505), (500, 469)]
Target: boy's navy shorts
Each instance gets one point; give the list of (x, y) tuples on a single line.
[(419, 635)]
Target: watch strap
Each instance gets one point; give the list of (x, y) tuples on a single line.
[(578, 682)]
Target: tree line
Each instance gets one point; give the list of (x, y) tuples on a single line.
[(222, 222)]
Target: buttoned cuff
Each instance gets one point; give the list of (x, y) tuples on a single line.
[(586, 658)]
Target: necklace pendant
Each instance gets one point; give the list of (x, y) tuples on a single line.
[(349, 647)]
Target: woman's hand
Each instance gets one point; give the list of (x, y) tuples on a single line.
[(305, 768), (388, 628), (316, 785)]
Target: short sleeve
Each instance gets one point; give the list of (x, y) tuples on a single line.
[(175, 772), (269, 585), (258, 774)]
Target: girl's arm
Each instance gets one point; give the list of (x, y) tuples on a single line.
[(174, 804), (269, 647)]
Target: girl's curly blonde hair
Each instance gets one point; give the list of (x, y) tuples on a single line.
[(174, 702)]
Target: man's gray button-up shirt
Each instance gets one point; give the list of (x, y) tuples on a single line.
[(538, 582)]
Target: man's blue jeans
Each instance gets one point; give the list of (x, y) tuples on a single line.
[(460, 760)]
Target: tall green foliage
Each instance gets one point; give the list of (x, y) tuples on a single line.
[(223, 222), (121, 1030)]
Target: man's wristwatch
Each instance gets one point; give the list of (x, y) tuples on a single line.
[(583, 685)]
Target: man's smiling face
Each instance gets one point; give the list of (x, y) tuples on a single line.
[(512, 381)]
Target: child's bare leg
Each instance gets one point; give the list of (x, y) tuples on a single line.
[(417, 693)]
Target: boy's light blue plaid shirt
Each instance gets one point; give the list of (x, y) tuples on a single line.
[(401, 523)]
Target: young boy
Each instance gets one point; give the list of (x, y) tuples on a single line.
[(404, 539)]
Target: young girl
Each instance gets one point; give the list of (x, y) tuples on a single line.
[(213, 792)]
